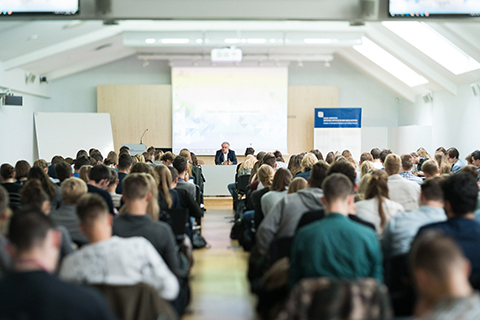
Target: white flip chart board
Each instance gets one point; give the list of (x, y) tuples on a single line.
[(65, 133)]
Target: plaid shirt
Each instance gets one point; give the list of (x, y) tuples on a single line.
[(410, 176)]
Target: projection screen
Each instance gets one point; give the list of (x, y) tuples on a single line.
[(244, 106)]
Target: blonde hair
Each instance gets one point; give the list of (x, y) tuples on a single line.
[(248, 163), (378, 188), (423, 153), (308, 161), (265, 175), (297, 184), (72, 189), (84, 172), (186, 154), (140, 158), (443, 163), (363, 185), (365, 168), (392, 164), (153, 209), (164, 182)]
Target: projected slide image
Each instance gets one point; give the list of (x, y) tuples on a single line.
[(39, 5), (244, 106), (429, 7)]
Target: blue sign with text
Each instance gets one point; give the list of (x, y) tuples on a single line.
[(338, 117)]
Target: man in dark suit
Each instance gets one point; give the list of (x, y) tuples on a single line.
[(225, 156)]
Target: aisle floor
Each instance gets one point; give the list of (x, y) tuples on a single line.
[(220, 289)]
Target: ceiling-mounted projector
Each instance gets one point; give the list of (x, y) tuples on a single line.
[(8, 99), (226, 55)]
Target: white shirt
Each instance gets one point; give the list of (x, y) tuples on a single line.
[(121, 261), (368, 211), (403, 191), (225, 157)]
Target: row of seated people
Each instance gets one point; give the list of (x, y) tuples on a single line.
[(349, 220), (85, 239)]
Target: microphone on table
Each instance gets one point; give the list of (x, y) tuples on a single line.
[(143, 135)]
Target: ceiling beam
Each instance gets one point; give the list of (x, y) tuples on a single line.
[(383, 37)]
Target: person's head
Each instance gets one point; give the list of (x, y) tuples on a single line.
[(317, 153), (158, 155), (57, 159), (469, 159), (7, 171), (249, 151), (225, 147), (124, 163), (442, 150), (80, 162), (185, 153), (281, 180), (151, 150), (21, 169), (415, 157), (81, 153), (260, 155), (91, 151), (265, 175), (112, 157), (41, 163), (330, 158), (365, 168), (279, 156), (453, 155), (337, 193), (347, 154), (124, 149), (345, 168), (33, 236), (407, 162), (181, 164), (439, 266), (476, 158), (431, 191), (297, 184), (148, 157), (95, 220), (383, 154), (113, 182), (48, 186), (375, 152), (99, 176), (72, 190), (249, 162), (423, 153), (140, 167), (92, 161), (430, 169), (164, 182), (471, 170), (140, 158), (63, 171), (137, 189), (295, 164), (308, 161), (460, 194), (377, 188), (318, 174), (392, 164), (269, 159), (174, 174), (443, 163), (167, 158), (194, 159), (84, 173), (365, 157), (32, 194)]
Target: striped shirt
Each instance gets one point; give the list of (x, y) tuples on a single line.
[(411, 177)]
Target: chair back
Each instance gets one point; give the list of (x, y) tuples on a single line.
[(242, 183)]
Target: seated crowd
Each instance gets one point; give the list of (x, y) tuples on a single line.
[(386, 236)]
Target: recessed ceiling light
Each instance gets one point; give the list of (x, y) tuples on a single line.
[(175, 40), (232, 40), (199, 41), (256, 40), (150, 40)]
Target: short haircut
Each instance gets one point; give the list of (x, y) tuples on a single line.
[(180, 163), (173, 172), (436, 253), (124, 161), (167, 156), (249, 150), (81, 153), (28, 229), (345, 168), (308, 161), (151, 150), (99, 172), (260, 155), (80, 162), (72, 189), (269, 159), (470, 169), (7, 171), (225, 142), (113, 177), (453, 153), (147, 156), (392, 164), (317, 153), (135, 186), (365, 157), (432, 189), (41, 163), (375, 152), (281, 180), (461, 191), (318, 174), (337, 187), (97, 156), (476, 155), (57, 159), (32, 194), (124, 149), (4, 201), (407, 161), (90, 207), (430, 167), (63, 171), (330, 158), (21, 169), (384, 153)]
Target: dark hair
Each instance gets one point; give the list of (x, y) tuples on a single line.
[(97, 156), (461, 191), (80, 162), (470, 169), (384, 153), (330, 158), (345, 168), (269, 159), (317, 153), (167, 156), (99, 172), (442, 150), (194, 159), (375, 152), (28, 228), (249, 150), (63, 171), (7, 171), (174, 173), (81, 153), (281, 180), (4, 201), (336, 186), (180, 163), (124, 149), (378, 188), (453, 153), (407, 161), (21, 169), (48, 186), (278, 156), (124, 161), (57, 159), (89, 207), (365, 157), (32, 194), (141, 167), (476, 155), (318, 174), (113, 177), (151, 150), (432, 189), (260, 155), (147, 156)]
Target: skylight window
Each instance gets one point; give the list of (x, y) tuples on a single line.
[(389, 63), (434, 45)]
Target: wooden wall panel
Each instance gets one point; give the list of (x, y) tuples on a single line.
[(134, 108), (302, 100)]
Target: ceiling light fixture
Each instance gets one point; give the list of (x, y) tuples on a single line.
[(256, 40), (150, 40), (232, 40), (320, 41), (176, 40)]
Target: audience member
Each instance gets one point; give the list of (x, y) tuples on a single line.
[(330, 158), (186, 199), (65, 215), (42, 164), (476, 161), (124, 149), (401, 190), (140, 158), (460, 194), (430, 169), (366, 156), (148, 157), (406, 169), (453, 156), (31, 292), (21, 172), (377, 208), (5, 260), (99, 178), (51, 168), (307, 163), (265, 176), (441, 150), (84, 173), (167, 158), (471, 170), (416, 161), (124, 166), (365, 168), (441, 273), (167, 197), (336, 247), (112, 186), (402, 228), (157, 157), (296, 185), (81, 153), (375, 152), (98, 263), (63, 171), (443, 164), (7, 173), (317, 153), (50, 188), (278, 190), (180, 163), (383, 155), (80, 162)]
